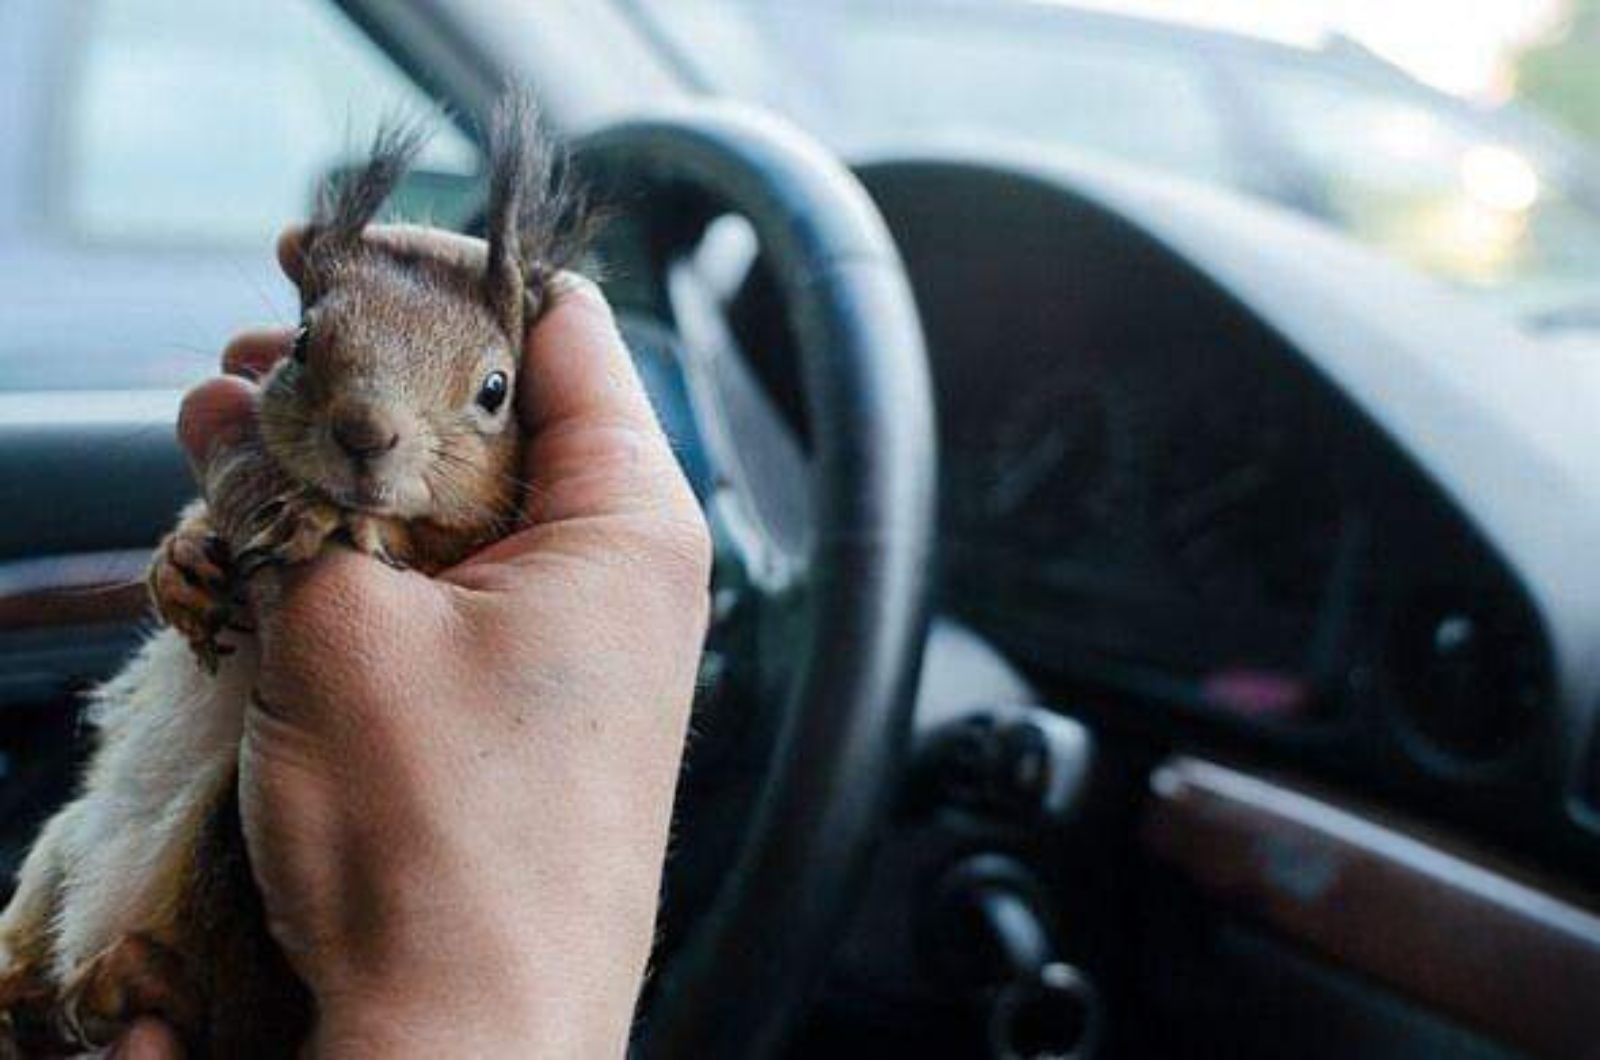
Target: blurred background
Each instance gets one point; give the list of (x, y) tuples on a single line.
[(1454, 135), (151, 148)]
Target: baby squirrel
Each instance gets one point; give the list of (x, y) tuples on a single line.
[(389, 428)]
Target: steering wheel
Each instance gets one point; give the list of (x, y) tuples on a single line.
[(848, 592)]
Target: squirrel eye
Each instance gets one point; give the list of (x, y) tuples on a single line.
[(302, 339), (493, 392)]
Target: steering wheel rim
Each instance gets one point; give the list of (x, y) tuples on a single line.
[(845, 722)]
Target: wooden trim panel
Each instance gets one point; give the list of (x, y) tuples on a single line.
[(1473, 942), (85, 589)]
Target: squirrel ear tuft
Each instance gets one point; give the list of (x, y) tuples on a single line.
[(537, 222), (515, 171), (348, 201)]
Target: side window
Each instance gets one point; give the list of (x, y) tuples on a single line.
[(210, 124)]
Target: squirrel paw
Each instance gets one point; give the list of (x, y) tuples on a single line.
[(292, 532), (27, 1003), (300, 528), (135, 976), (192, 585), (377, 538)]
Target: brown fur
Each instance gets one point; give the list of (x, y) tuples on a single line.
[(395, 345)]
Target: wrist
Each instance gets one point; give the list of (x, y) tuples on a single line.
[(352, 1028), (496, 1014), (348, 1033)]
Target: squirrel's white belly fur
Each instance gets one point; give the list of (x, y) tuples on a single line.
[(169, 736)]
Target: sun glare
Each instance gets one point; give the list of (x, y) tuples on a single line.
[(1499, 178)]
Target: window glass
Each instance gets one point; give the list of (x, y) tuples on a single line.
[(214, 122), (178, 138), (863, 76)]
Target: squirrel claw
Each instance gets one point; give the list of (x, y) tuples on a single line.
[(376, 538), (191, 585), (136, 976), (294, 533), (27, 1004), (383, 556), (253, 560), (207, 655)]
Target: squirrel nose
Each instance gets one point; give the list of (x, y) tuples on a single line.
[(365, 433)]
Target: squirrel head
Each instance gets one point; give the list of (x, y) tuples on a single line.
[(398, 399)]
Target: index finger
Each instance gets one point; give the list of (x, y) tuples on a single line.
[(575, 364), (404, 240), (594, 446)]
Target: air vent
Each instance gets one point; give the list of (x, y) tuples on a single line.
[(1471, 674)]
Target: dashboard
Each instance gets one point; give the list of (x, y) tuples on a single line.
[(1201, 521), (1271, 509), (1172, 517)]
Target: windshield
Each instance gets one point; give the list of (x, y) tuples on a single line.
[(1479, 189)]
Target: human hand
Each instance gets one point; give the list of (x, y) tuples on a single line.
[(148, 1039), (456, 790)]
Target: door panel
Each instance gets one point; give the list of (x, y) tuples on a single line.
[(88, 484), (86, 500)]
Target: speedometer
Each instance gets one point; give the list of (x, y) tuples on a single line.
[(1246, 510), (1062, 462)]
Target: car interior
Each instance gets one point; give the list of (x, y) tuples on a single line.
[(1147, 621)]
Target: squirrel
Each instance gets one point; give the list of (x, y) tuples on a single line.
[(389, 427)]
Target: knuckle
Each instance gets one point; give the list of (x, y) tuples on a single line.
[(680, 551), (663, 557)]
